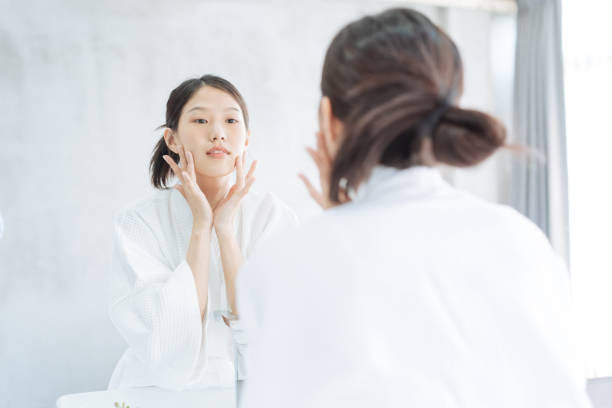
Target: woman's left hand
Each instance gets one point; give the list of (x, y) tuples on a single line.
[(225, 212), (323, 160)]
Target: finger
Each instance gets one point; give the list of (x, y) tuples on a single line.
[(231, 191), (173, 166), (314, 193), (181, 190), (320, 143), (220, 204), (189, 184), (324, 169), (315, 157), (252, 169), (248, 185), (229, 196), (182, 160), (186, 162), (239, 173), (343, 196), (191, 166), (187, 181), (322, 146), (323, 166)]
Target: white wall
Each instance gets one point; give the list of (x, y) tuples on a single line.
[(486, 43), (83, 85)]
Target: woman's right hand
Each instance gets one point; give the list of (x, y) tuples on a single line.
[(197, 201)]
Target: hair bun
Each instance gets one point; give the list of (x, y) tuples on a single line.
[(464, 137)]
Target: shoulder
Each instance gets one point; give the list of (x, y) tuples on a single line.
[(514, 233), (505, 217)]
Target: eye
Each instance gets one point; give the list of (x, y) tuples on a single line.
[(201, 121), (232, 121)]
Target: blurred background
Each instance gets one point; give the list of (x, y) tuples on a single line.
[(83, 87)]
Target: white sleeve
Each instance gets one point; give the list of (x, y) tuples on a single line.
[(154, 307), (240, 345)]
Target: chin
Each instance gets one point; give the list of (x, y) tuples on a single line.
[(219, 170)]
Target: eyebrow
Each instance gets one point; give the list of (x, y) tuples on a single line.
[(203, 108)]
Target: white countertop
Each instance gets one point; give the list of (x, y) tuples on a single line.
[(151, 398)]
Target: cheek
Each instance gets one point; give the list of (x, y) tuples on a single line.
[(238, 137), (187, 137)]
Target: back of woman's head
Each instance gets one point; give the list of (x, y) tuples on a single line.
[(394, 80)]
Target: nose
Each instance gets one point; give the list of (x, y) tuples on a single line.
[(217, 136)]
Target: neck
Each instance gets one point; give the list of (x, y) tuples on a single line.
[(214, 188)]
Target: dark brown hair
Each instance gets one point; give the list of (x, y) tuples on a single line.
[(394, 79), (159, 169)]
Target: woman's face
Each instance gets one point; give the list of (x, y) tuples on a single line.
[(212, 128)]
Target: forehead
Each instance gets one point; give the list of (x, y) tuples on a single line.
[(212, 99)]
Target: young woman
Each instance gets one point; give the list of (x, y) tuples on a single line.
[(408, 292), (178, 253)]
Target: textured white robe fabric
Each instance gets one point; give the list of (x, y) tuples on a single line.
[(413, 295), (154, 303)]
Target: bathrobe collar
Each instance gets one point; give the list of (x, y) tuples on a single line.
[(413, 182)]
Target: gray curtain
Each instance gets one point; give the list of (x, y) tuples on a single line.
[(539, 182)]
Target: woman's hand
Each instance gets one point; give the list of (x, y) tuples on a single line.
[(323, 160), (225, 212), (200, 207)]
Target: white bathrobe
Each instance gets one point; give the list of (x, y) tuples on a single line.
[(154, 303), (413, 295)]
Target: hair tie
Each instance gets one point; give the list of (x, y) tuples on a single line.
[(431, 120)]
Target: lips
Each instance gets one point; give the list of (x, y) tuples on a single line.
[(217, 150)]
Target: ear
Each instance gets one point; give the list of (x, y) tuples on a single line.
[(170, 139), (330, 126)]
